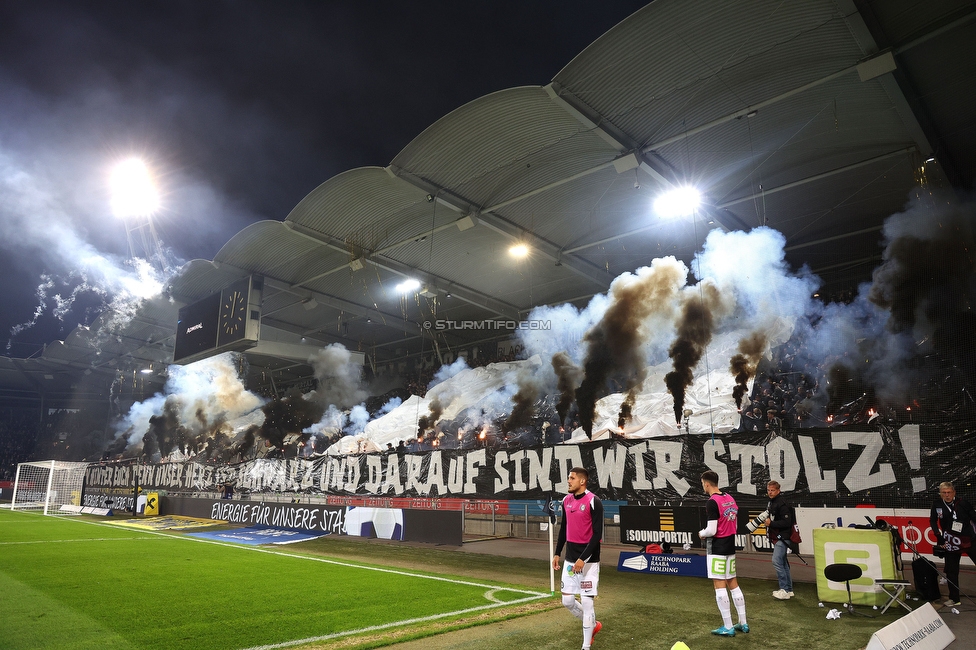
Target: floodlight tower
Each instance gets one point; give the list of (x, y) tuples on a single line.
[(134, 201)]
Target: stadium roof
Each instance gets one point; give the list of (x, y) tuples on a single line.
[(815, 118)]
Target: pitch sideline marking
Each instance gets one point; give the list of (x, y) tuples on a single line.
[(533, 595), (385, 626), (258, 549)]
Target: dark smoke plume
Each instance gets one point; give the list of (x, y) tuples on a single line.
[(743, 365), (427, 422), (524, 408), (695, 326), (928, 266), (568, 378), (290, 415), (614, 345), (626, 409)]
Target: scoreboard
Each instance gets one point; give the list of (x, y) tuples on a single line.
[(226, 320)]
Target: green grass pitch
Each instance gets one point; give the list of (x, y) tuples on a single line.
[(69, 583), (65, 583)]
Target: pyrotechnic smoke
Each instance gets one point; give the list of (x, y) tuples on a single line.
[(358, 418), (291, 415), (925, 281), (562, 329), (328, 428), (389, 406), (447, 371), (200, 398), (165, 430), (568, 379), (427, 422), (339, 377), (919, 301), (615, 344), (523, 400), (701, 308), (743, 365)]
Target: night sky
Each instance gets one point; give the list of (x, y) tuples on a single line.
[(239, 108)]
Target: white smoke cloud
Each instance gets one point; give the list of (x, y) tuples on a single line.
[(333, 421), (38, 220), (447, 371), (752, 267), (339, 377), (210, 387), (567, 327), (358, 419), (389, 406)]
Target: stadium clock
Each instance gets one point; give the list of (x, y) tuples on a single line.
[(233, 313), (232, 319)]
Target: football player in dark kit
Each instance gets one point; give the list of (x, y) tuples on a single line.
[(952, 518), (581, 532)]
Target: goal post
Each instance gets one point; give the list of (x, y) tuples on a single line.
[(47, 485)]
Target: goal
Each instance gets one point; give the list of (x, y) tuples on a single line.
[(48, 485)]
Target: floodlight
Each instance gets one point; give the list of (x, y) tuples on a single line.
[(518, 250), (133, 192), (679, 202), (408, 286)]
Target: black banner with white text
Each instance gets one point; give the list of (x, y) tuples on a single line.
[(815, 466)]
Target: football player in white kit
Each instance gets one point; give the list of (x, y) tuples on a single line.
[(581, 532)]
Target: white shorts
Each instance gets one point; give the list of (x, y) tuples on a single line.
[(720, 567), (585, 583)]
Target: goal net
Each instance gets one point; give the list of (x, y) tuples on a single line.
[(48, 485)]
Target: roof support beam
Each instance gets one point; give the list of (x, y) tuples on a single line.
[(467, 294), (816, 177), (903, 92), (824, 240), (869, 45), (459, 291), (632, 157), (743, 112), (505, 227), (335, 302)]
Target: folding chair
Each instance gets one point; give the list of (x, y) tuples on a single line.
[(894, 589)]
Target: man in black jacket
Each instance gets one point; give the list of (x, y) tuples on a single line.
[(779, 528), (952, 520)]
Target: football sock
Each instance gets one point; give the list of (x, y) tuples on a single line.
[(570, 603), (722, 598), (739, 599), (589, 620)]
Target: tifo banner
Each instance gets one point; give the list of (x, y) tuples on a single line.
[(815, 467)]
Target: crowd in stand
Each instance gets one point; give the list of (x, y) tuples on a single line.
[(781, 397), (18, 439)]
